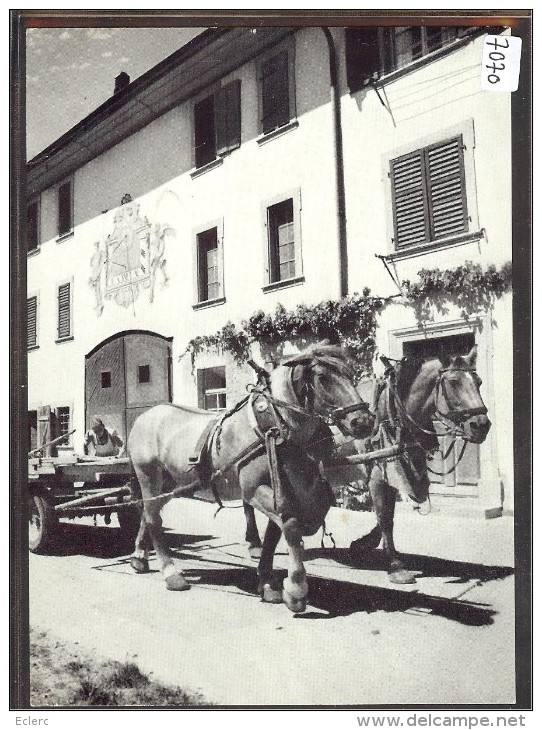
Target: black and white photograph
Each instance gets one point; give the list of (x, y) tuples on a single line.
[(270, 360)]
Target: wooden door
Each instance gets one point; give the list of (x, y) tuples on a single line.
[(125, 376)]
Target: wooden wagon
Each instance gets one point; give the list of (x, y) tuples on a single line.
[(78, 487)]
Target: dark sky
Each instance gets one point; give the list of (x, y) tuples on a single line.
[(71, 71)]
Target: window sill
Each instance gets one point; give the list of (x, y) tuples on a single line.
[(283, 284), (64, 339), (206, 168), (209, 303), (278, 132), (64, 236), (32, 348), (34, 251), (419, 250)]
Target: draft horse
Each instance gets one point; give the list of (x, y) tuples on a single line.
[(414, 395), (270, 446)]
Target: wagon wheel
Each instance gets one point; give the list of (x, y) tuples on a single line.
[(42, 523), (129, 520)]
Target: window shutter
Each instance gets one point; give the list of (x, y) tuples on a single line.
[(362, 56), (228, 117), (409, 200), (64, 318), (32, 320), (446, 183), (32, 226), (64, 208), (275, 92), (204, 131)]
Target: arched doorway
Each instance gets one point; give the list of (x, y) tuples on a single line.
[(125, 375)]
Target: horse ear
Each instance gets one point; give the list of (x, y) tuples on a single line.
[(445, 359), (386, 361), (471, 357)]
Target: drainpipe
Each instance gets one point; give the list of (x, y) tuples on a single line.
[(339, 162)]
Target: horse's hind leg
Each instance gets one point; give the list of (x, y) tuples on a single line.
[(153, 484), (267, 587), (295, 587), (384, 505), (252, 536), (140, 557)]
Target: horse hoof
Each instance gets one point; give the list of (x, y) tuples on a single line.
[(139, 565), (270, 594), (358, 548), (296, 605), (255, 551), (401, 576), (177, 582)]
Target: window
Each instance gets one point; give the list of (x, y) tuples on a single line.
[(212, 388), (33, 226), (429, 194), (64, 311), (32, 322), (208, 270), (277, 90), (209, 264), (217, 123), (65, 208), (106, 379), (373, 52), (63, 420), (144, 374), (283, 240)]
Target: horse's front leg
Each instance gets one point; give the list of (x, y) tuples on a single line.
[(384, 505), (268, 588), (252, 536), (295, 587)]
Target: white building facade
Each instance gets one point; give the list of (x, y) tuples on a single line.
[(257, 167)]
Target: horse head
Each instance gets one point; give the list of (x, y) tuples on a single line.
[(322, 381), (458, 399)]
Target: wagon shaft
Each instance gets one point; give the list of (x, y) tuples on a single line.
[(386, 453)]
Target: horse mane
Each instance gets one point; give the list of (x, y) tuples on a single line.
[(406, 372), (331, 356)]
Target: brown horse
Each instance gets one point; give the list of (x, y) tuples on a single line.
[(414, 395), (269, 446)]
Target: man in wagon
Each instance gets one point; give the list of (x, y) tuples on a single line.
[(102, 441)]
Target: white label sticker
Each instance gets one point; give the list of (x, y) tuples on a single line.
[(500, 63)]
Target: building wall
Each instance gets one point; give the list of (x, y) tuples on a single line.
[(154, 166)]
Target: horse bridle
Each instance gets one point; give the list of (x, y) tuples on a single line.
[(457, 416)]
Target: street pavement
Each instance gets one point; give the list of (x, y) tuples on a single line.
[(447, 639)]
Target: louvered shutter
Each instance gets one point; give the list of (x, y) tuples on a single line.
[(228, 117), (275, 92), (446, 187), (32, 320), (362, 56), (409, 200), (204, 131), (64, 318), (65, 223)]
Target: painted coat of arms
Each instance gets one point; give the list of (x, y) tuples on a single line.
[(130, 260)]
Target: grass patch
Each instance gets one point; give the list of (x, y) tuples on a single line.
[(62, 675)]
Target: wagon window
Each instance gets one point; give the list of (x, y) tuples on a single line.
[(144, 374), (106, 379)]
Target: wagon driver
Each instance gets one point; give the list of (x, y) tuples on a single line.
[(102, 441)]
